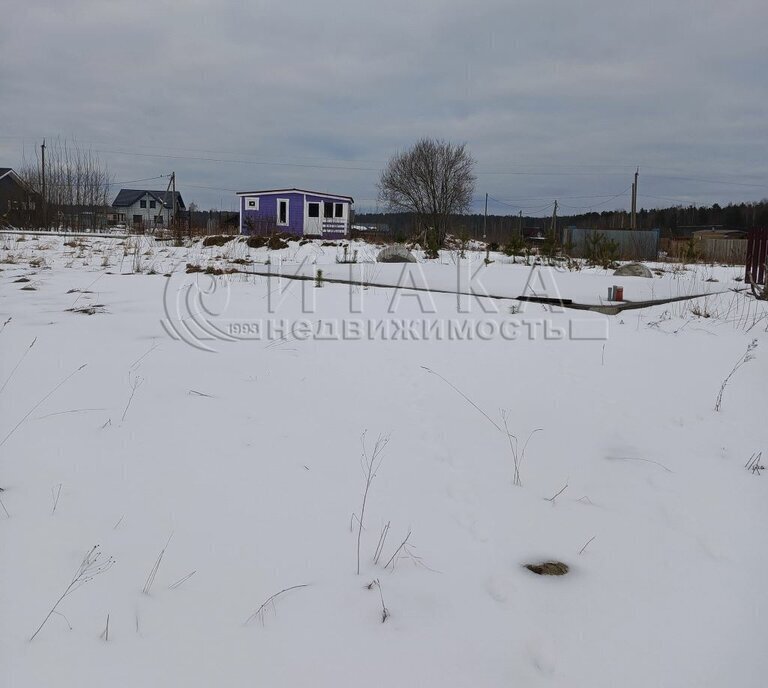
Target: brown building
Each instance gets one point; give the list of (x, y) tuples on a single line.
[(18, 204)]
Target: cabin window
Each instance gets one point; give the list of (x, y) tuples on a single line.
[(251, 203), (313, 210), (142, 204), (338, 210), (327, 209), (152, 204), (282, 211)]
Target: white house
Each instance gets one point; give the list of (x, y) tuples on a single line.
[(144, 209)]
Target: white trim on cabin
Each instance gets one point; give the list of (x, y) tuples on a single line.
[(287, 202), (306, 192), (313, 226)]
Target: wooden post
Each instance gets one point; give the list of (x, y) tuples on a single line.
[(633, 219), (173, 183), (553, 227), (44, 200)]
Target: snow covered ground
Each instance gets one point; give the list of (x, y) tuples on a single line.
[(238, 456)]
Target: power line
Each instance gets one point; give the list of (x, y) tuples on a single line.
[(239, 162), (146, 179), (66, 185), (528, 173), (617, 174), (667, 198), (575, 207), (210, 188), (597, 205), (620, 169), (543, 198), (521, 207), (197, 150), (703, 179)]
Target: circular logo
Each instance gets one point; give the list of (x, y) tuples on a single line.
[(194, 304)]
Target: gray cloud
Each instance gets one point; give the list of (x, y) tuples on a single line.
[(555, 99)]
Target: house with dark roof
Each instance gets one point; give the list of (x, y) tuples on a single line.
[(18, 203), (143, 209), (295, 211)]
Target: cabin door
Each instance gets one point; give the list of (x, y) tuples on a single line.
[(313, 223)]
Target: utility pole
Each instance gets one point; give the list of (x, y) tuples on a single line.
[(45, 202), (633, 217), (553, 227), (485, 219), (173, 184)]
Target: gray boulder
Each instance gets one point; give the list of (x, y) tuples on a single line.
[(396, 253), (633, 270)]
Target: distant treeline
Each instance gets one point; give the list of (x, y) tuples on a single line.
[(673, 221)]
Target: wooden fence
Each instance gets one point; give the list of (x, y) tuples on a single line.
[(708, 250), (729, 251), (757, 255)]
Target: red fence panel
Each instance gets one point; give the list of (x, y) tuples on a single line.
[(757, 254)]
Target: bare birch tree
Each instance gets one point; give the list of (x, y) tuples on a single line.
[(433, 180)]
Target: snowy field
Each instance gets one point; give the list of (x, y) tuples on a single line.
[(219, 466)]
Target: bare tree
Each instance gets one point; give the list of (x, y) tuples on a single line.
[(434, 180), (77, 188)]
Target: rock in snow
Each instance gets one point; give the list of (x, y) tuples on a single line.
[(633, 270), (395, 254)]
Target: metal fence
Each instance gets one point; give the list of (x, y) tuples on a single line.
[(641, 244)]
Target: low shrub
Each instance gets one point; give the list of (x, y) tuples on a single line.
[(275, 243), (256, 241), (217, 240)]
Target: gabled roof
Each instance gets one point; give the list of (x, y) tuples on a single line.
[(294, 190), (6, 171), (128, 197)]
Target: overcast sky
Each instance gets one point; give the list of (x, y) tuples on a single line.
[(555, 99)]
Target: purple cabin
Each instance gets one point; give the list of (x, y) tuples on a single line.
[(295, 211)]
